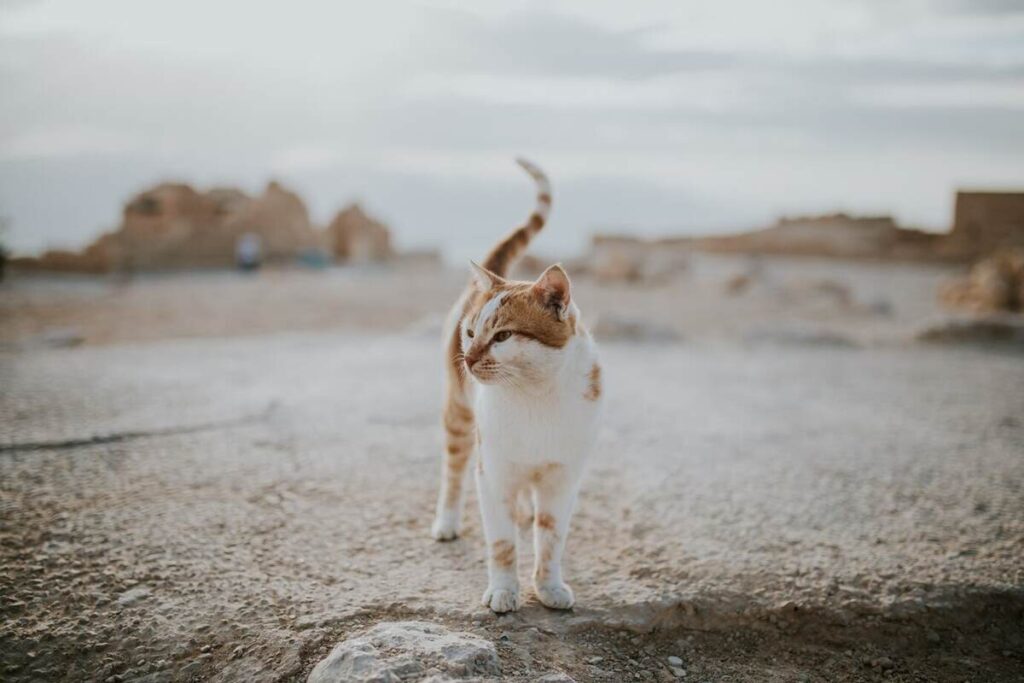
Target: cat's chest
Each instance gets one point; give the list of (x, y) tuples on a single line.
[(524, 429)]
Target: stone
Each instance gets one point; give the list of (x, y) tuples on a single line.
[(174, 226), (133, 595), (980, 331), (392, 651), (675, 661), (555, 677), (358, 238), (995, 284), (619, 259)]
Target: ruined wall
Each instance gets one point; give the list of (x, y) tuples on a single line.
[(986, 221), (173, 226), (836, 235), (357, 238)]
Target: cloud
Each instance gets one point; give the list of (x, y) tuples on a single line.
[(688, 120), (69, 141), (981, 7), (548, 44)]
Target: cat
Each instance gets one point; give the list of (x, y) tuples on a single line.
[(523, 388)]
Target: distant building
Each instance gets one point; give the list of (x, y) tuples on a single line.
[(986, 221)]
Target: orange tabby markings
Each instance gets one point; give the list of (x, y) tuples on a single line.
[(503, 553), (546, 521), (522, 367), (594, 389)]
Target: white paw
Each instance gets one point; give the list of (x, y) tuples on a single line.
[(555, 595), (501, 600), (445, 526)]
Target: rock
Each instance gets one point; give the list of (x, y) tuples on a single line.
[(882, 662), (556, 677), (981, 331), (994, 284), (133, 595), (358, 238), (738, 284), (58, 338), (675, 661), (629, 260), (392, 651), (174, 226)]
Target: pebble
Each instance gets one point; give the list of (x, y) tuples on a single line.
[(133, 595), (679, 672), (675, 661), (883, 662)]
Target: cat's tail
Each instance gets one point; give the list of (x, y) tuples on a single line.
[(507, 251)]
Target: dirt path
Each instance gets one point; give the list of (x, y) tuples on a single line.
[(230, 508)]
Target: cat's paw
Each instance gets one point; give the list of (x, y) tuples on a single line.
[(445, 526), (555, 595), (501, 600)]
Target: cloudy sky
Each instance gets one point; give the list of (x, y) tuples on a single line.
[(651, 117)]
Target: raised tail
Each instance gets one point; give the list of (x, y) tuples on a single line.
[(507, 251)]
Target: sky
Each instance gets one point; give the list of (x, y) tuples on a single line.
[(650, 117)]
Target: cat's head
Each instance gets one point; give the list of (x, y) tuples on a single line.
[(515, 333)]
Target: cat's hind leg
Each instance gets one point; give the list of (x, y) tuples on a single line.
[(460, 437)]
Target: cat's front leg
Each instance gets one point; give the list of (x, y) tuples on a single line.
[(550, 528), (502, 594)]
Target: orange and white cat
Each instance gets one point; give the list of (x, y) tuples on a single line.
[(524, 389)]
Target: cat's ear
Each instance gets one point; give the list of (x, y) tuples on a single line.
[(485, 279), (552, 288)]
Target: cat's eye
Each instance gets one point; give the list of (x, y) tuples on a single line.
[(502, 336), (469, 333)]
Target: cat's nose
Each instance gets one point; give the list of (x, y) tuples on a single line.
[(471, 361)]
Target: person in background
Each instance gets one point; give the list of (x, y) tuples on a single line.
[(249, 252)]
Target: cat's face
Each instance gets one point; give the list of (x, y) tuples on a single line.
[(514, 333)]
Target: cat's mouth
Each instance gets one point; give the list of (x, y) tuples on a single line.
[(485, 373)]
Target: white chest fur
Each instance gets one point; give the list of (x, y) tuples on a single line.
[(555, 421)]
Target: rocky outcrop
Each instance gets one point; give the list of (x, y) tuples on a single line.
[(835, 235), (618, 258), (174, 226), (407, 650), (995, 284), (355, 237), (984, 222), (632, 260)]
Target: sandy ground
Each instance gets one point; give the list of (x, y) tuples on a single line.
[(860, 303), (766, 503)]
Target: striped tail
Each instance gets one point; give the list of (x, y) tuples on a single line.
[(506, 252)]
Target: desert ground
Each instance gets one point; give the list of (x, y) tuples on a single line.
[(217, 476)]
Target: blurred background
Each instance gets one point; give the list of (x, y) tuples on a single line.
[(142, 138), (231, 231), (657, 118)]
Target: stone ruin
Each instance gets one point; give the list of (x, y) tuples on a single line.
[(173, 226), (355, 237), (984, 222)]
